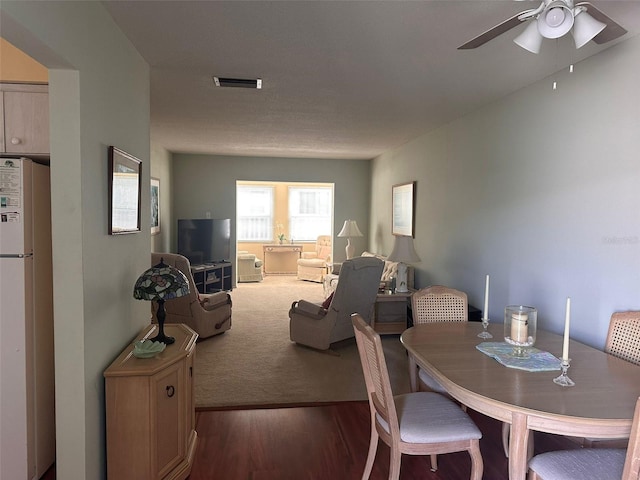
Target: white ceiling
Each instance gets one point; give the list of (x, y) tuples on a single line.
[(341, 79)]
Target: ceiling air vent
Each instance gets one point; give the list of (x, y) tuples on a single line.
[(238, 82)]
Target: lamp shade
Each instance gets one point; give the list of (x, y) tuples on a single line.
[(585, 28), (350, 229), (556, 20), (161, 282), (403, 251), (530, 39)]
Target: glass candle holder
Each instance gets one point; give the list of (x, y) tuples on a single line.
[(520, 323)]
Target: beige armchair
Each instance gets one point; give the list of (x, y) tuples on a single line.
[(249, 267), (314, 326), (206, 314), (313, 266)]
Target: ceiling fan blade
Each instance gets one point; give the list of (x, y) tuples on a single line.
[(494, 32), (612, 31)]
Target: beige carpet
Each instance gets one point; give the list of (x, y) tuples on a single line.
[(255, 363)]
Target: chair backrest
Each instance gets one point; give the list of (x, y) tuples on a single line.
[(323, 247), (632, 461), (439, 304), (376, 375), (181, 305), (623, 339), (356, 292)]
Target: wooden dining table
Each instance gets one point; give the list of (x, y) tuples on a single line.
[(600, 405)]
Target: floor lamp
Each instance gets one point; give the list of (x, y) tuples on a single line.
[(350, 229), (403, 253)]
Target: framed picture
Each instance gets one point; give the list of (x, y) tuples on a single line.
[(402, 198), (125, 187), (155, 206)]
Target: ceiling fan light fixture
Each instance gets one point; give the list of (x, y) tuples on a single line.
[(530, 39), (585, 28), (556, 20)]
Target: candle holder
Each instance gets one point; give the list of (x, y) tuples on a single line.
[(520, 324), (563, 379), (484, 333)]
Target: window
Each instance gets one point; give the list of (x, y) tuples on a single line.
[(255, 213), (310, 212)]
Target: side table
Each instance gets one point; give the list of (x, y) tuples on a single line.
[(390, 312)]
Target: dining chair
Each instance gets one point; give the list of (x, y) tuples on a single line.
[(436, 303), (623, 341), (417, 423), (591, 463), (623, 338)]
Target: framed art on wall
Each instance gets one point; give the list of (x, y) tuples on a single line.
[(155, 206), (124, 192), (402, 206)]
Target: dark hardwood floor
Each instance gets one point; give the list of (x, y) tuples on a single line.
[(327, 442)]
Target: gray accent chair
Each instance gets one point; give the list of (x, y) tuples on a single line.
[(314, 326), (207, 314)]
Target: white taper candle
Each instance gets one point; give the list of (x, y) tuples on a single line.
[(567, 320), (485, 312)]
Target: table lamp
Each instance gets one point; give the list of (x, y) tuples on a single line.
[(161, 282), (403, 253), (350, 229)]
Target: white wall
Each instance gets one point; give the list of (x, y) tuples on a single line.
[(539, 190), (99, 96)]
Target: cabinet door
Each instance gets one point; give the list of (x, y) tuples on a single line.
[(26, 122), (170, 416)]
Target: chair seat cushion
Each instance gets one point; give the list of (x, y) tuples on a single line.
[(583, 464), (312, 262), (427, 417)]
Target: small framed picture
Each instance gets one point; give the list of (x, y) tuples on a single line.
[(125, 187), (155, 206), (402, 206)]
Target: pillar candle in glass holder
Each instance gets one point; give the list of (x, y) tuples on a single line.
[(519, 327)]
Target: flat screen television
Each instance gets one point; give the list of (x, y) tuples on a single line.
[(205, 240)]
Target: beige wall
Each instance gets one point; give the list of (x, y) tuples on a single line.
[(16, 66), (281, 216)]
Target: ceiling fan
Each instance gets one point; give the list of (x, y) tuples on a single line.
[(553, 19)]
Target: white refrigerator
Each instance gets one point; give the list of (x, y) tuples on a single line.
[(27, 398)]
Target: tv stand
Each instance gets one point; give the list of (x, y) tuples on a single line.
[(213, 277)]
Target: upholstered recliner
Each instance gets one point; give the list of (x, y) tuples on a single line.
[(206, 314), (313, 266), (317, 327), (249, 267)]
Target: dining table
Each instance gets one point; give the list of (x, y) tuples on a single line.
[(600, 404)]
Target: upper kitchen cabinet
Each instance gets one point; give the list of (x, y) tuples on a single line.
[(24, 123)]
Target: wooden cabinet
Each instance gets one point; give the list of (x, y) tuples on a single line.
[(151, 411), (24, 119), (213, 277)]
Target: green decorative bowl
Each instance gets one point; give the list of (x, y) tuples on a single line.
[(147, 348)]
